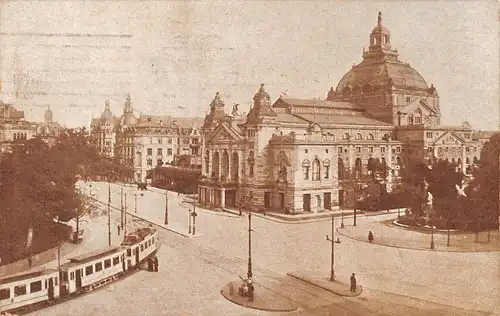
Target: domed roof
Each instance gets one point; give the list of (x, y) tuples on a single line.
[(382, 74), (380, 29)]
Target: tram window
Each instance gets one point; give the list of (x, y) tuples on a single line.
[(98, 266), (107, 263), (45, 284), (89, 270), (64, 276), (4, 294), (142, 247), (36, 286), (129, 252), (116, 260), (19, 290), (72, 275), (153, 239), (55, 282)]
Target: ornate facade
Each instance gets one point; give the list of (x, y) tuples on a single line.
[(295, 154), (142, 142)]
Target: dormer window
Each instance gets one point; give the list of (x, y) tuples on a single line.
[(408, 99)]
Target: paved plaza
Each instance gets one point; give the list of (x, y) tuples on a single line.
[(193, 270), (388, 234)]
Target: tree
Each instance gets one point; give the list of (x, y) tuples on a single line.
[(483, 191), (37, 185)]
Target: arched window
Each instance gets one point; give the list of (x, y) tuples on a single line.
[(346, 91), (384, 167), (371, 137), (316, 170), (453, 161), (326, 169), (467, 161), (398, 160), (357, 90), (358, 167), (371, 166), (345, 136), (235, 166), (251, 164), (305, 169), (225, 164), (475, 160), (215, 165), (340, 169), (207, 162), (359, 136)]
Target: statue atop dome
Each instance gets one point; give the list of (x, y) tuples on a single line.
[(379, 22)]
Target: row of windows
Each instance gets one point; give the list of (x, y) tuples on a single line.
[(98, 266), (159, 151), (359, 149), (23, 290), (20, 136)]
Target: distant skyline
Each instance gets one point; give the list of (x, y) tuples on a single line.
[(172, 57)]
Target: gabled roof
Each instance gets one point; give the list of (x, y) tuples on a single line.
[(231, 132), (287, 102), (452, 133), (411, 107)]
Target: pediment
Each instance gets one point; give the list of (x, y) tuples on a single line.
[(449, 138), (224, 134), (419, 104)]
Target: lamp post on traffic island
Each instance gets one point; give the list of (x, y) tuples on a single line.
[(194, 214), (249, 273)]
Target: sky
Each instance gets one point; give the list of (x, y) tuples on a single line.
[(173, 56)]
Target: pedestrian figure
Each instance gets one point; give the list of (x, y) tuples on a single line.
[(118, 227), (30, 262), (250, 290), (353, 283), (150, 264), (156, 264), (370, 236)]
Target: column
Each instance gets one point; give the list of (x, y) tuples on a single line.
[(210, 158), (390, 165), (351, 158), (464, 156), (223, 197), (229, 175)]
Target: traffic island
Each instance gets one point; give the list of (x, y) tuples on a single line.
[(336, 287), (264, 298)]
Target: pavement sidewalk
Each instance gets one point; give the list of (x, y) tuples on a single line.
[(337, 287), (387, 234)]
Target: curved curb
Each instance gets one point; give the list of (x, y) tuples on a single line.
[(424, 229), (355, 294), (243, 301), (416, 249)]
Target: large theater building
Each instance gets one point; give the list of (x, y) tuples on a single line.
[(294, 155)]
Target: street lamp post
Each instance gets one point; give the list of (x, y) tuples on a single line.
[(166, 207), (189, 219), (121, 207), (109, 213), (125, 216), (135, 198), (249, 273), (432, 232), (332, 267), (194, 222), (342, 220)]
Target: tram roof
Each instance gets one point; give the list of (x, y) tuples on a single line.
[(94, 255), (26, 275)]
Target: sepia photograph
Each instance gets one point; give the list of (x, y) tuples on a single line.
[(249, 158)]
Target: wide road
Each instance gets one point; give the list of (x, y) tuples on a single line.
[(193, 270)]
